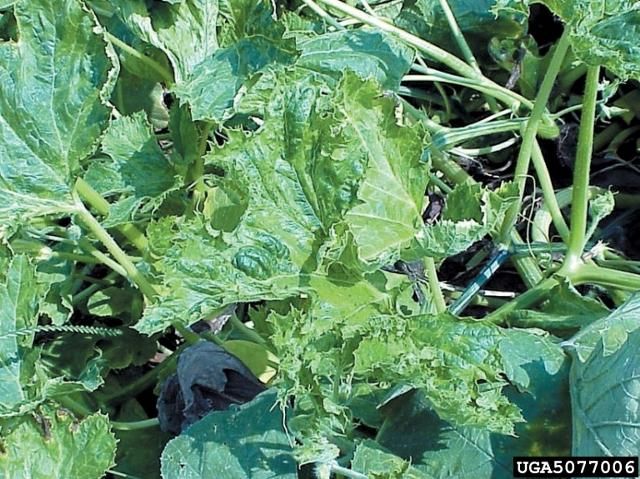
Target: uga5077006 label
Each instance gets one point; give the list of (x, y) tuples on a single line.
[(586, 466)]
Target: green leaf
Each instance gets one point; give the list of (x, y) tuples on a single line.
[(602, 32), (255, 356), (186, 138), (435, 447), (138, 168), (251, 42), (18, 309), (445, 238), (612, 331), (471, 213), (371, 459), (476, 20), (604, 398), (565, 309), (392, 192), (133, 93), (368, 344), (215, 82), (368, 53), (521, 347), (53, 444), (185, 31), (53, 85), (242, 442), (305, 188)]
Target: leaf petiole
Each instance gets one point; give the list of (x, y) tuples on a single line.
[(118, 254), (166, 76), (580, 191)]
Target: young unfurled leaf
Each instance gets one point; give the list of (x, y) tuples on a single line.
[(461, 366), (471, 213)]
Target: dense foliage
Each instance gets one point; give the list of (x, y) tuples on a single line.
[(323, 190)]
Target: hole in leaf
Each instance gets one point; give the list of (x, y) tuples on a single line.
[(8, 27), (544, 27)]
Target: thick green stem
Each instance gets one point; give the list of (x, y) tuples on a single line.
[(613, 278), (463, 45), (454, 136), (434, 285), (120, 256), (531, 130), (135, 425), (548, 192), (582, 274), (582, 166), (509, 98), (166, 76), (93, 198), (86, 245), (526, 300), (89, 290), (571, 75)]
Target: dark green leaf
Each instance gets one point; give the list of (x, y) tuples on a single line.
[(245, 441)]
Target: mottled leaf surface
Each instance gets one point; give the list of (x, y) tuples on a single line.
[(305, 187), (53, 444), (53, 84), (18, 309), (368, 53), (185, 31)]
